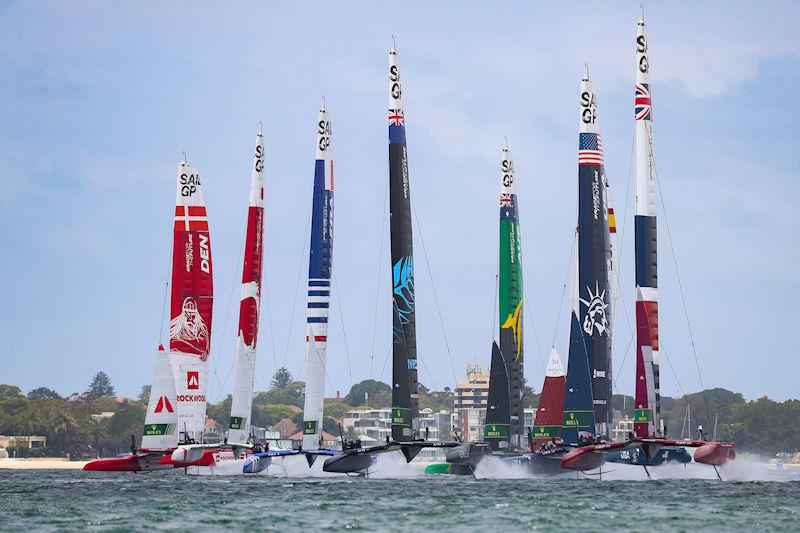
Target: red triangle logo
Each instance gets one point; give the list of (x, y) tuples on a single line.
[(163, 403)]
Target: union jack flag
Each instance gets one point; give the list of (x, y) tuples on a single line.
[(643, 102), (590, 149), (396, 117), (505, 200)]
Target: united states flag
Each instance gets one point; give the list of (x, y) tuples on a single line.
[(643, 102), (590, 149)]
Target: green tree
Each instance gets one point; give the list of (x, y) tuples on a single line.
[(267, 415), (291, 394), (100, 386), (144, 395), (43, 393), (9, 392), (281, 379), (220, 411), (377, 391)]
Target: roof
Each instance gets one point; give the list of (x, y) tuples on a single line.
[(325, 436), (285, 427)]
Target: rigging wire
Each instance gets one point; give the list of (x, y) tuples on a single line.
[(388, 352), (341, 320), (433, 289), (299, 275), (164, 303), (564, 286), (225, 326), (680, 288), (378, 277)]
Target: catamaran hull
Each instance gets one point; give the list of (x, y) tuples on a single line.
[(638, 457), (140, 462), (715, 453), (350, 463)]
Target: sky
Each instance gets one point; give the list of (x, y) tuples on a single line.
[(98, 100)]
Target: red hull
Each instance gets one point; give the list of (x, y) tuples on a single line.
[(715, 453), (140, 462), (582, 459)]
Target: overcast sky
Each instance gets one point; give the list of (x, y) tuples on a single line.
[(98, 99)]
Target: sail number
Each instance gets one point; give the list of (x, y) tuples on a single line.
[(189, 184), (324, 132), (589, 111), (394, 78)]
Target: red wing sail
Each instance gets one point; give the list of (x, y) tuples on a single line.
[(191, 303)]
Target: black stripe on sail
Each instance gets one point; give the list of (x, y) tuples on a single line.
[(646, 251), (405, 408)]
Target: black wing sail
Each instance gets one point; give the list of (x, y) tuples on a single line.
[(497, 426), (405, 408)]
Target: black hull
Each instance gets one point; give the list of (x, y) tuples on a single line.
[(349, 463)]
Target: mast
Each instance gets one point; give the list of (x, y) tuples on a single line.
[(648, 396), (510, 292), (498, 410), (191, 303), (405, 407), (161, 421), (249, 305), (548, 418), (319, 284), (593, 252)]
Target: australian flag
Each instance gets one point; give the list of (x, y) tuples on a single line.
[(508, 207)]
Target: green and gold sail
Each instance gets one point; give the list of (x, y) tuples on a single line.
[(510, 293)]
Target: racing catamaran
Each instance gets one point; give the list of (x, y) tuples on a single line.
[(320, 264), (648, 424), (405, 407), (176, 410)]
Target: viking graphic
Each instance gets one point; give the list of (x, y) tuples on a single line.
[(187, 331)]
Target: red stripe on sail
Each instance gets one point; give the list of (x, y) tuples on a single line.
[(319, 338), (251, 275)]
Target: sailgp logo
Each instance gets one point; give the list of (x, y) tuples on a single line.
[(595, 318)]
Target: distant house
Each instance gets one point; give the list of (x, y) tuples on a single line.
[(285, 427), (29, 441), (102, 415), (331, 442)]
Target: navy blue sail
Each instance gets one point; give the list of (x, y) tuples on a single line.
[(578, 406)]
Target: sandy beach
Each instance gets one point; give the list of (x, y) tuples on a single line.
[(51, 463)]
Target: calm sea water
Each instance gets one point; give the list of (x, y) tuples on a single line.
[(76, 500)]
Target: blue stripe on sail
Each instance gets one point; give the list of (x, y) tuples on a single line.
[(397, 134), (318, 305), (317, 319), (319, 293), (319, 283)]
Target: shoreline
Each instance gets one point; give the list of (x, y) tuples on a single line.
[(42, 463)]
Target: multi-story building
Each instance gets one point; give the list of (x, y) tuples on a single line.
[(470, 403)]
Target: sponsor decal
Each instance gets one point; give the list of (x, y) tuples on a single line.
[(309, 427), (192, 380), (507, 169), (401, 416), (642, 415), (156, 430), (191, 397), (394, 78), (163, 403), (237, 422), (546, 432), (496, 431), (259, 158), (577, 419), (595, 318), (589, 107), (188, 332)]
